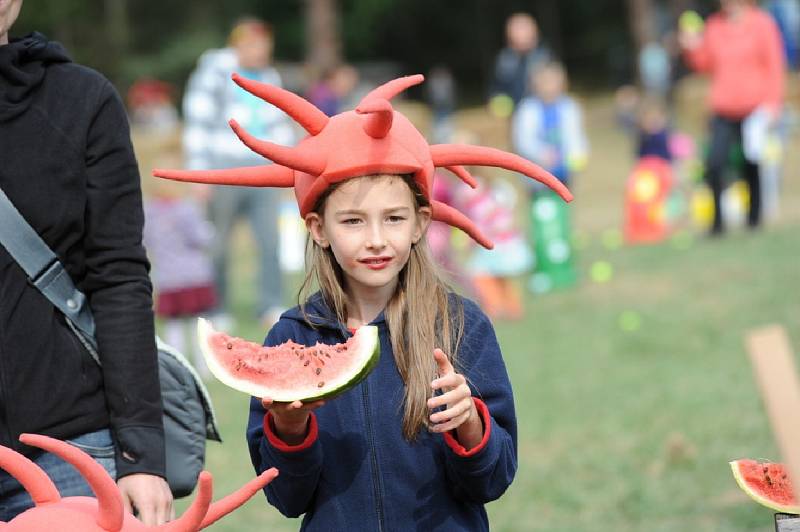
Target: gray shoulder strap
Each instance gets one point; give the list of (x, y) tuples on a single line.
[(43, 268)]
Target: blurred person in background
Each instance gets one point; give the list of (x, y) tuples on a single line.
[(522, 56), (740, 50), (493, 274), (151, 106), (787, 16), (548, 126), (68, 167), (440, 93), (653, 129), (548, 129), (332, 92), (178, 238), (211, 99)]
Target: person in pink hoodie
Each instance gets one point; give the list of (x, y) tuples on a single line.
[(740, 50)]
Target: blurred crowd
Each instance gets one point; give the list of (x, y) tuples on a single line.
[(729, 177)]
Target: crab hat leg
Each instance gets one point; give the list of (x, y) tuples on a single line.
[(456, 154), (379, 117), (445, 213), (109, 500), (311, 118), (297, 158), (228, 504), (33, 478), (463, 175), (193, 516), (267, 175)]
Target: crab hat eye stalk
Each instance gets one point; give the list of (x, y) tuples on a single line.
[(373, 139), (378, 117)]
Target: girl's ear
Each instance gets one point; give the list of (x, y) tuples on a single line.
[(314, 226), (423, 220)]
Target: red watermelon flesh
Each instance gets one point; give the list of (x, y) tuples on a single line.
[(767, 483), (289, 371)]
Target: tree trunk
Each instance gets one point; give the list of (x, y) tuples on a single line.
[(117, 29), (548, 17), (642, 27), (323, 38)]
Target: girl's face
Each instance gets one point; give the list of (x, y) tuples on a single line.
[(549, 84), (370, 224)]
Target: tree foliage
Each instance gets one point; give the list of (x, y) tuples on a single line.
[(128, 39)]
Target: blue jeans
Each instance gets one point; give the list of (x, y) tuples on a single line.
[(99, 445)]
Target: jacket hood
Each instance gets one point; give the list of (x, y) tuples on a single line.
[(321, 315), (23, 65)]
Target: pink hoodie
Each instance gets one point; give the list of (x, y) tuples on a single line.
[(745, 61)]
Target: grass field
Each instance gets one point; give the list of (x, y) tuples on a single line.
[(619, 429)]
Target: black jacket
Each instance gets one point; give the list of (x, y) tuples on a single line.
[(67, 164)]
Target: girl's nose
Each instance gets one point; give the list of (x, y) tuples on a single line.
[(376, 239)]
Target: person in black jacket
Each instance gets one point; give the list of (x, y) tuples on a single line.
[(67, 164)]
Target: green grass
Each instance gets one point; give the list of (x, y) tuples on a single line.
[(618, 431)]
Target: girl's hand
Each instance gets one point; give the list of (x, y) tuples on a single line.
[(460, 412), (291, 419)]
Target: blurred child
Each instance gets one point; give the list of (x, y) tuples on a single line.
[(548, 130), (439, 233), (653, 130), (178, 237), (652, 203), (332, 92), (491, 207)]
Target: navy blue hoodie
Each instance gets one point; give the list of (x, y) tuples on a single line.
[(355, 470)]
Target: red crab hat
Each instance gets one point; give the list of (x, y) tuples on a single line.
[(373, 139)]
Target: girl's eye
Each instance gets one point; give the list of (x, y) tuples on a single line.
[(351, 221), (396, 219)]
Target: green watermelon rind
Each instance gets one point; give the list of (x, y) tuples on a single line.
[(778, 507), (358, 377), (366, 335)]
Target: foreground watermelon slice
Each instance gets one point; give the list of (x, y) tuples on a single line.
[(290, 371), (766, 483)]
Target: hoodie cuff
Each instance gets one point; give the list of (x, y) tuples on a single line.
[(140, 450), (275, 441), (452, 442)]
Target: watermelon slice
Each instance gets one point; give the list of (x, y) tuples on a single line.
[(290, 371), (766, 483)]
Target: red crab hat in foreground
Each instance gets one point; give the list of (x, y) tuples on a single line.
[(106, 512), (373, 139)]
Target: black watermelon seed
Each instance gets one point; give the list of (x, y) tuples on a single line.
[(321, 384), (319, 370)]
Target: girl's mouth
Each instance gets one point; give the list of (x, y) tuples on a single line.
[(376, 263)]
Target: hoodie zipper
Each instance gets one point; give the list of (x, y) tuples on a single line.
[(375, 477)]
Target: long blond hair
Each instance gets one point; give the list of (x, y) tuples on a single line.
[(420, 315)]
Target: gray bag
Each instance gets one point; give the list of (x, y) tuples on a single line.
[(189, 418)]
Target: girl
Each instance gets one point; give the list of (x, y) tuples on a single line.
[(178, 238), (429, 436)]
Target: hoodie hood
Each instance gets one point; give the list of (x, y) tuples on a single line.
[(23, 65), (321, 315)]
